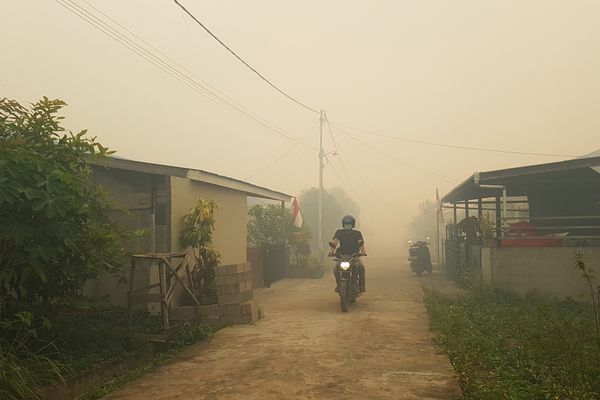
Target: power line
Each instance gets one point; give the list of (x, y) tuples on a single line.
[(471, 148), (343, 181), (373, 191), (181, 66), (311, 164), (340, 158), (284, 154), (293, 167), (413, 166), (163, 65), (242, 60)]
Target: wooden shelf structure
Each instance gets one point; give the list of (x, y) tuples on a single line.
[(171, 270)]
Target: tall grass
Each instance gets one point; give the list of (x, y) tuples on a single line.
[(27, 364)]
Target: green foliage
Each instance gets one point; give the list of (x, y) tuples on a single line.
[(588, 275), (265, 226), (298, 243), (336, 204), (506, 347), (55, 232), (27, 363), (191, 333), (265, 230), (197, 232)]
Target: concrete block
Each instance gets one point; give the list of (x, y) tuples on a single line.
[(232, 269), (234, 288), (234, 278), (230, 309), (249, 307), (248, 267), (235, 298)]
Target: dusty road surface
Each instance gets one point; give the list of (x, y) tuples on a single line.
[(306, 348)]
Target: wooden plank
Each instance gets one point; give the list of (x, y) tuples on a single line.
[(183, 284), (189, 276), (163, 289), (159, 256)]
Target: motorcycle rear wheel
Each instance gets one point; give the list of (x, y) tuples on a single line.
[(344, 295)]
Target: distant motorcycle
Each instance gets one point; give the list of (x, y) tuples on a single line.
[(346, 268), (420, 257)]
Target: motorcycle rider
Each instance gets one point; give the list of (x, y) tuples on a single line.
[(350, 242)]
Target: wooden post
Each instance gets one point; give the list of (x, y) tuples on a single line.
[(283, 222), (455, 216), (480, 207), (498, 218), (466, 208), (163, 292)]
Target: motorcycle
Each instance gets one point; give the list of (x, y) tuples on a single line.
[(346, 269), (420, 257)]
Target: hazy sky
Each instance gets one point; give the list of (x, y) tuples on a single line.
[(517, 75)]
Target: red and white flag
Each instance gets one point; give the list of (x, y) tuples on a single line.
[(297, 213), (438, 202)]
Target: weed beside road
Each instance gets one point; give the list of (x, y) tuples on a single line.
[(506, 347)]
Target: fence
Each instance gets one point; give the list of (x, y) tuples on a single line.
[(268, 264)]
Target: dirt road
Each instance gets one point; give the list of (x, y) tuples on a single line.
[(306, 348)]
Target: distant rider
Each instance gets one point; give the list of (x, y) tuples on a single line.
[(350, 242)]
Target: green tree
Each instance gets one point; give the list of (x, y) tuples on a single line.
[(424, 224), (264, 225), (265, 230), (55, 232), (197, 232), (336, 204)]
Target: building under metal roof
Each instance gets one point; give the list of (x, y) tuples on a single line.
[(572, 178), (560, 197), (195, 175)]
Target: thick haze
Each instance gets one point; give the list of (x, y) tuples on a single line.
[(518, 75)]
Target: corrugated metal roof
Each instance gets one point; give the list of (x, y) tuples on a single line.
[(583, 170), (194, 174)]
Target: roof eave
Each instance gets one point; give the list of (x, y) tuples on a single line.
[(193, 174)]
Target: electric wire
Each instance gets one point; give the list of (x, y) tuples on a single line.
[(372, 190), (242, 60), (459, 147), (335, 146), (131, 45), (413, 166), (283, 155), (342, 180), (293, 167), (311, 164), (181, 66)]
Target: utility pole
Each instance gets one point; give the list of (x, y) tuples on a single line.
[(321, 166)]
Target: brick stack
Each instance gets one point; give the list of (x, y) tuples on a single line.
[(234, 291)]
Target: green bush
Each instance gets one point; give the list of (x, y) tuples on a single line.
[(506, 347), (55, 233)]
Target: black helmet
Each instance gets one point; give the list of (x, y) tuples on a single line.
[(348, 220)]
